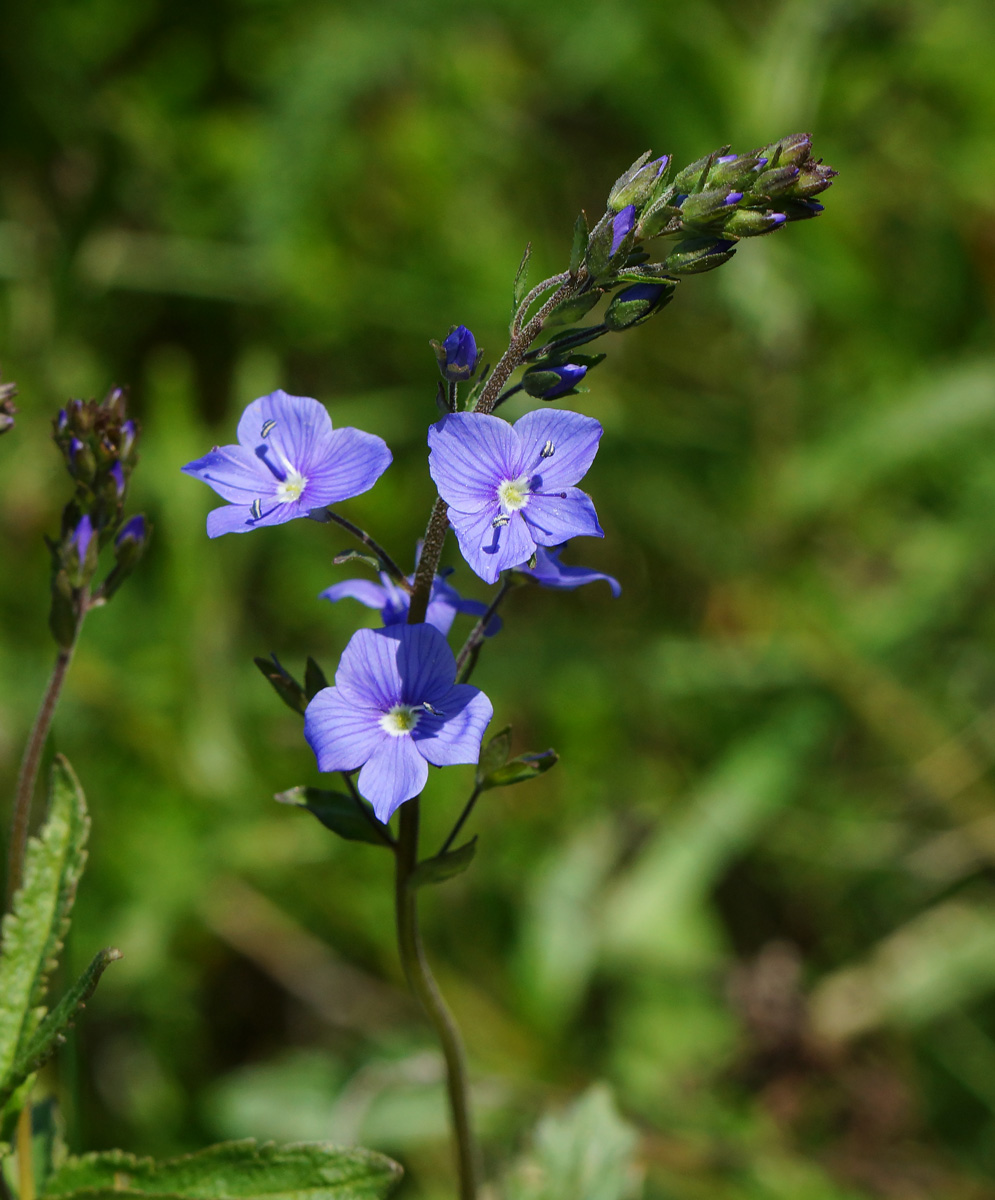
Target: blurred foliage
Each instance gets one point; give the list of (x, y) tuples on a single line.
[(756, 895)]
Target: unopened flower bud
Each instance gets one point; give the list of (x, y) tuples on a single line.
[(708, 208), (790, 151), (639, 183), (7, 408), (549, 383), (695, 255), (457, 354), (747, 222), (638, 303)]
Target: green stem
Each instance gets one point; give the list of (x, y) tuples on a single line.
[(423, 985), (464, 664), (467, 809), (391, 567), (28, 777)]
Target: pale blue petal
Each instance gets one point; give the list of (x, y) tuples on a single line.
[(373, 595), (489, 550), (395, 772), (470, 456), (550, 572), (367, 670), (425, 663), (574, 440), (341, 734), (234, 473), (556, 519), (300, 433), (353, 461), (454, 737)]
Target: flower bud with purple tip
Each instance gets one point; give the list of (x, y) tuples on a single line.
[(549, 383), (638, 303), (458, 355)]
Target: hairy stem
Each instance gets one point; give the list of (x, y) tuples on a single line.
[(423, 985), (537, 291)]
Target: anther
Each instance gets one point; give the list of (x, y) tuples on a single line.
[(257, 509), (547, 450), (499, 520), (430, 708), (267, 429)]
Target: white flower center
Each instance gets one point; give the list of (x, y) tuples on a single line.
[(400, 719), (292, 486), (513, 494)]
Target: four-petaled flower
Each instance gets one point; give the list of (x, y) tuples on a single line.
[(393, 710), (511, 488), (394, 602), (550, 572), (288, 461)]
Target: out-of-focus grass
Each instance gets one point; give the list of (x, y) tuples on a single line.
[(755, 895)]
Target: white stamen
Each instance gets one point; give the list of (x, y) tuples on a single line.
[(400, 719), (513, 494), (290, 489), (547, 450)]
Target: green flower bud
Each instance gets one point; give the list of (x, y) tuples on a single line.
[(696, 255)]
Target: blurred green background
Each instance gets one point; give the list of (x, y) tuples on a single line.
[(757, 895)]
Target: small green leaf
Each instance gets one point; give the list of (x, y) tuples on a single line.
[(337, 812), (579, 247), (314, 679), (284, 684), (353, 556), (521, 769), (51, 1033), (34, 929), (242, 1170), (443, 866), (521, 279), (494, 754), (574, 308)]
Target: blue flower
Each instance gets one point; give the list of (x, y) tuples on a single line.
[(550, 572), (394, 709), (393, 601), (288, 461), (510, 488)]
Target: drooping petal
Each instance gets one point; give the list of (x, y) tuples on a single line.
[(571, 438), (351, 462), (425, 663), (395, 772), (341, 734), (470, 454), (550, 572), (234, 473), (373, 595), (490, 549), (555, 519), (454, 737)]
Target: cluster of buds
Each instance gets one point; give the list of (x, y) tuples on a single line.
[(97, 440), (7, 410), (706, 209)]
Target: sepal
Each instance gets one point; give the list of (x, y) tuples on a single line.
[(443, 866), (337, 812), (284, 684)]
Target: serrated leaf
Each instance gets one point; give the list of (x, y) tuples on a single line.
[(494, 754), (283, 683), (50, 1034), (336, 812), (34, 929), (443, 866), (243, 1170), (352, 556), (314, 679), (521, 288), (520, 770), (580, 239)]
